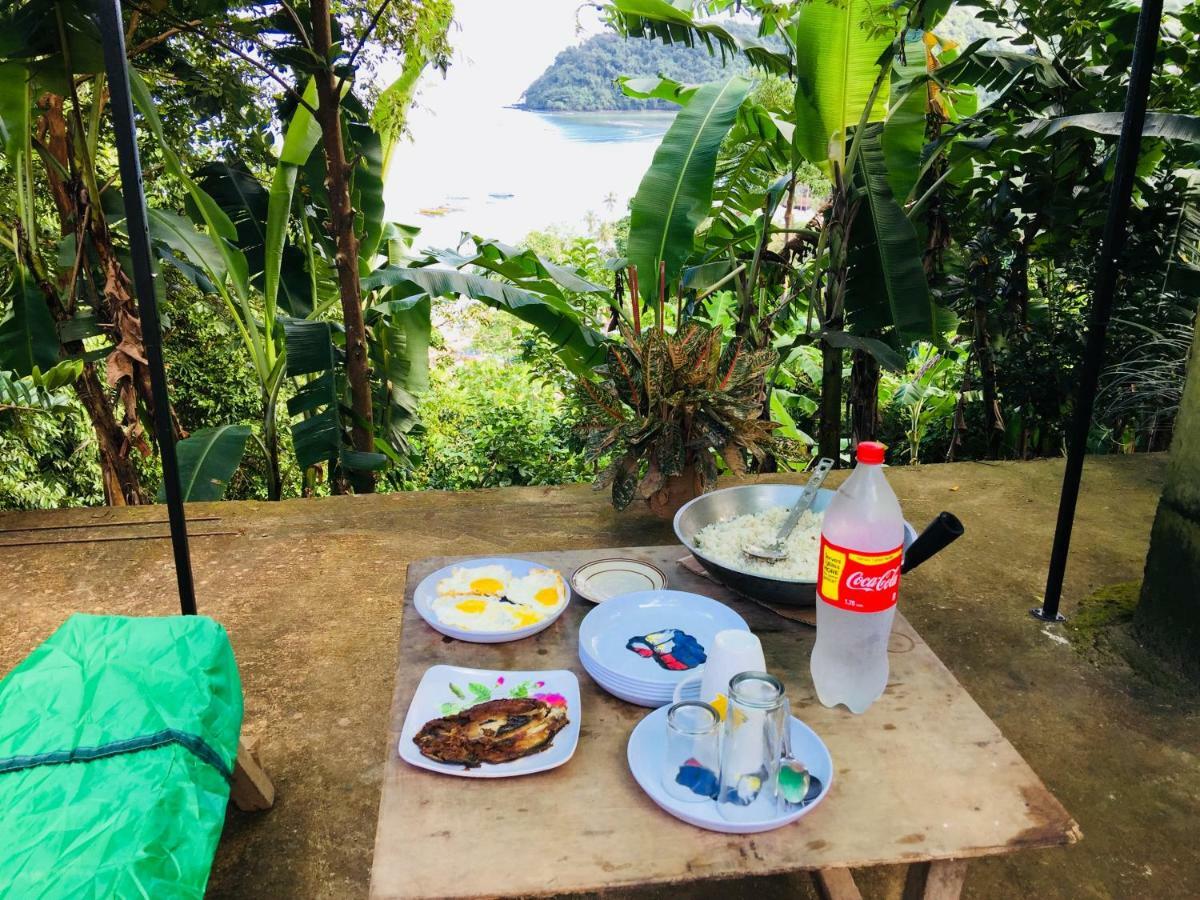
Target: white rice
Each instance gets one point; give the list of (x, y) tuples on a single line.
[(722, 542)]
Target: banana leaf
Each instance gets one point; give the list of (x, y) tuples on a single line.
[(676, 192), (904, 130), (674, 23), (838, 47), (207, 460), (399, 353), (580, 347), (28, 338), (886, 256), (215, 219), (521, 266), (1170, 126)]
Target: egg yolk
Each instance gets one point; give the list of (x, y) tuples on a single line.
[(472, 606), (547, 596), (487, 585), (527, 618)]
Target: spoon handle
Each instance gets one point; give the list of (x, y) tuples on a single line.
[(806, 498)]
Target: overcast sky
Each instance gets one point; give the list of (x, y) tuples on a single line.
[(500, 46)]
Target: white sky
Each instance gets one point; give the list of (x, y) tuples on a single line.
[(500, 46)]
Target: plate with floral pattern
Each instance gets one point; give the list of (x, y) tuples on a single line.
[(449, 690)]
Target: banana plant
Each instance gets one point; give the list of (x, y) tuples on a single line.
[(218, 260), (866, 266)]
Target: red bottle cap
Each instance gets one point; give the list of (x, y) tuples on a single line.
[(870, 452)]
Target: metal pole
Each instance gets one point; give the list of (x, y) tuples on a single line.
[(1111, 247), (113, 38)]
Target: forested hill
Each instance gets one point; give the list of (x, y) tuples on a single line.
[(584, 77)]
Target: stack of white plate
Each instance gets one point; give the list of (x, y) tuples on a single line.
[(639, 646)]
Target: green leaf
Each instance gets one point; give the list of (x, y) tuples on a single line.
[(219, 226), (303, 133), (366, 182), (904, 130), (1170, 126), (479, 692), (676, 192), (28, 337), (580, 346), (650, 87), (887, 250), (14, 111), (207, 460), (178, 233), (887, 356), (838, 47), (674, 23), (521, 266), (398, 346)]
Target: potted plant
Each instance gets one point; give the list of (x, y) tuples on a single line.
[(669, 405)]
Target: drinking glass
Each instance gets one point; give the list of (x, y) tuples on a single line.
[(751, 747), (693, 755)]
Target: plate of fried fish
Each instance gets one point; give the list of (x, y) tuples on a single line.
[(482, 723), (492, 600)]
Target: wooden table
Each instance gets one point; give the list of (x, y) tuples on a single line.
[(923, 779)]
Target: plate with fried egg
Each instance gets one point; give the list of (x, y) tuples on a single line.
[(490, 601)]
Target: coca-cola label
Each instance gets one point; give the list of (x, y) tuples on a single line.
[(859, 582)]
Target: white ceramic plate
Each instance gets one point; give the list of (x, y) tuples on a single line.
[(647, 749), (438, 695), (426, 593), (603, 579), (643, 636), (636, 694)]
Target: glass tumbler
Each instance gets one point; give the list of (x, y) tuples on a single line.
[(693, 754), (751, 747)]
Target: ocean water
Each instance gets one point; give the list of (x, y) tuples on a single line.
[(504, 172)]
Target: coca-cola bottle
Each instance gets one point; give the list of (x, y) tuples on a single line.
[(858, 578)]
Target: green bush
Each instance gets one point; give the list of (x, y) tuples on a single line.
[(48, 461), (491, 423)]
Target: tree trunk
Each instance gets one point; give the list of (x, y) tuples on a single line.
[(121, 484), (829, 427), (864, 397), (987, 378), (337, 184), (1168, 613), (72, 187)]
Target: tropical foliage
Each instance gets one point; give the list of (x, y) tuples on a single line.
[(898, 227)]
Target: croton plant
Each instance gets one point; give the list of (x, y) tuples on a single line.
[(669, 405)]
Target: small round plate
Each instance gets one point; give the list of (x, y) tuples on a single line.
[(603, 579), (426, 593), (647, 752)]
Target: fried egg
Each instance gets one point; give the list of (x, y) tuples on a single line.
[(541, 589), (475, 613), (485, 581)]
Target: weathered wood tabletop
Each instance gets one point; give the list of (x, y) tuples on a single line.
[(923, 778)]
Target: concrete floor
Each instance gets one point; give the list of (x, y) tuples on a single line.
[(310, 591)]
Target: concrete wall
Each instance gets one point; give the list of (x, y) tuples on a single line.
[(1168, 614)]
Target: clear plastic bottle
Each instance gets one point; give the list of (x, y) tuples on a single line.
[(862, 542)]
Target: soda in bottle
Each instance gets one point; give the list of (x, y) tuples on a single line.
[(858, 578)]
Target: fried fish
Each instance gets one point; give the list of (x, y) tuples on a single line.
[(497, 731)]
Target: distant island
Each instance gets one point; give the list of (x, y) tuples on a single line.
[(583, 78)]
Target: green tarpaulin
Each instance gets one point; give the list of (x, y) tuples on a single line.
[(118, 737)]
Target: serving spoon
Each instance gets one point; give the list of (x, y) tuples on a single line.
[(777, 549)]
